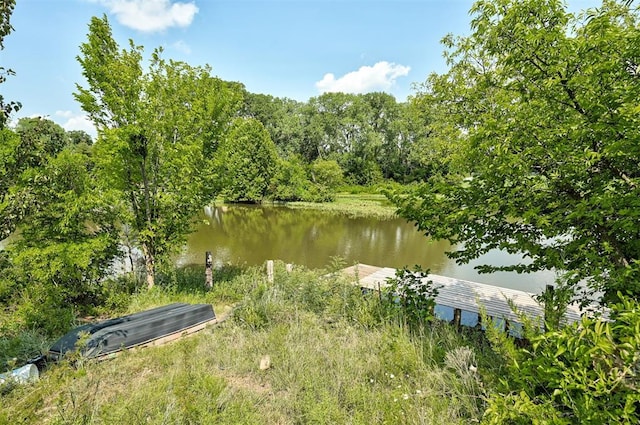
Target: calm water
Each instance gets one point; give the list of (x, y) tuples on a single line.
[(253, 234)]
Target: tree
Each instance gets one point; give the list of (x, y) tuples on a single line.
[(247, 161), (281, 117), (326, 175), (6, 9), (34, 142), (39, 137), (290, 182), (79, 137), (66, 240), (157, 132), (547, 105)]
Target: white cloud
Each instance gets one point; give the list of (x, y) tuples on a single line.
[(73, 121), (381, 76), (182, 47), (151, 15)]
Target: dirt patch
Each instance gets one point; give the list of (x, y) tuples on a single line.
[(247, 383)]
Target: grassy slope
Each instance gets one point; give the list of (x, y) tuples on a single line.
[(336, 357)]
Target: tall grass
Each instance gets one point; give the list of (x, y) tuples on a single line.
[(335, 356)]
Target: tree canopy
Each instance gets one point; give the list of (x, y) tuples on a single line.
[(247, 161), (6, 108), (547, 105), (157, 130)]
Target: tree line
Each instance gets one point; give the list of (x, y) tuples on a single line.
[(171, 137)]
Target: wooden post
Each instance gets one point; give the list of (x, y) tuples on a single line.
[(270, 271), (289, 268), (457, 315), (479, 322), (208, 271), (506, 326)]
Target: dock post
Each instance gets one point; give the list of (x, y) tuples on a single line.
[(208, 272), (457, 315), (270, 271)]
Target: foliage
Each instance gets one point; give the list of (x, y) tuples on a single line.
[(281, 117), (6, 9), (65, 239), (372, 136), (547, 106), (588, 372), (412, 294), (246, 161), (30, 147), (157, 132), (79, 137), (326, 176), (316, 330), (65, 246), (290, 181)]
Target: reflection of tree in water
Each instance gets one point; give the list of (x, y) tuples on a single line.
[(253, 234)]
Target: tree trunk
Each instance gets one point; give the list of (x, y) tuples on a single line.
[(149, 262)]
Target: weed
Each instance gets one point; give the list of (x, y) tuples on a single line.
[(412, 295)]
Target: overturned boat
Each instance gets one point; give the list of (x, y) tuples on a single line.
[(150, 327)]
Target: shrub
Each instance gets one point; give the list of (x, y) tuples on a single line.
[(586, 373), (412, 295), (290, 181)]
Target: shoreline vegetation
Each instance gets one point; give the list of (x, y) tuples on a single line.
[(362, 204), (303, 349), (354, 205)]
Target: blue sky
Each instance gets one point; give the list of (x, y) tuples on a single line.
[(286, 48)]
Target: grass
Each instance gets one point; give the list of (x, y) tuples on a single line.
[(355, 205), (335, 356)]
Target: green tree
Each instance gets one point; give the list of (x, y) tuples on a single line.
[(157, 132), (349, 128), (67, 239), (326, 175), (6, 9), (290, 182), (247, 161), (33, 143), (39, 138), (79, 137), (547, 104), (281, 117)]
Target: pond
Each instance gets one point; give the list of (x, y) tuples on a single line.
[(250, 235)]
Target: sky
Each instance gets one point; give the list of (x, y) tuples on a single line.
[(286, 48)]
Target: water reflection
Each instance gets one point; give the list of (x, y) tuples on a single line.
[(252, 234)]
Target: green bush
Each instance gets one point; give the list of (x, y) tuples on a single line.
[(587, 373), (411, 296), (290, 181), (326, 173)]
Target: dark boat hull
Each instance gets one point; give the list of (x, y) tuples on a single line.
[(110, 336)]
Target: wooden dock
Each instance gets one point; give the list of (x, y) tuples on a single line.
[(463, 295)]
